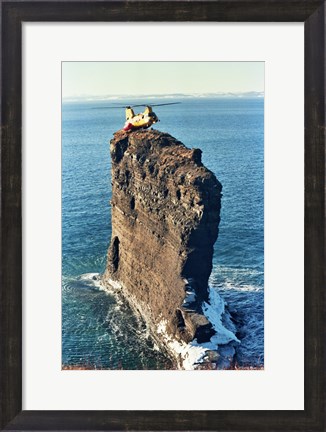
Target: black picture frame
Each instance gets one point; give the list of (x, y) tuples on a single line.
[(13, 14)]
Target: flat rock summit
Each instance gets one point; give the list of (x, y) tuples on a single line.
[(165, 217)]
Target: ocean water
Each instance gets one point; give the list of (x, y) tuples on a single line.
[(100, 331)]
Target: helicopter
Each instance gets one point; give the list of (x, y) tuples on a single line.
[(142, 120), (139, 121)]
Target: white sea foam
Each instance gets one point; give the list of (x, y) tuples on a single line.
[(93, 279), (246, 270), (214, 311), (90, 280), (190, 296), (228, 285), (193, 353), (234, 279)]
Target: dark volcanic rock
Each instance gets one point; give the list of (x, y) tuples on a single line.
[(165, 217)]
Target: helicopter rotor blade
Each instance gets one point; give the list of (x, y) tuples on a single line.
[(118, 106), (134, 106), (152, 105), (170, 103), (109, 107)]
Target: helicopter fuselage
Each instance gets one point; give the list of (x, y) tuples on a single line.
[(139, 121)]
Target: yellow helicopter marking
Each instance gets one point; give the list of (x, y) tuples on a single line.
[(142, 120)]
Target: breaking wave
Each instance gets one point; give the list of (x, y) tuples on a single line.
[(100, 330)]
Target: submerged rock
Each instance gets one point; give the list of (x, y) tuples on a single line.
[(165, 217)]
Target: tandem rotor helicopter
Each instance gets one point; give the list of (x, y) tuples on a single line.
[(142, 120)]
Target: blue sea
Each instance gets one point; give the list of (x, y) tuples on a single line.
[(99, 331)]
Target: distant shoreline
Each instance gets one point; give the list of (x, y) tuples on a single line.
[(112, 98)]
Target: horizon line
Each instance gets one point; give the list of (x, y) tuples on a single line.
[(253, 94)]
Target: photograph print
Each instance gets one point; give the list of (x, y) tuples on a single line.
[(162, 215)]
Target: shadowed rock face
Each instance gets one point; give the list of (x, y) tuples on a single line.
[(165, 216)]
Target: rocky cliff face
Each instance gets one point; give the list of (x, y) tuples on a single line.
[(165, 217)]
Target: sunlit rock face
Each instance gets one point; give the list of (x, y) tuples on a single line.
[(165, 217)]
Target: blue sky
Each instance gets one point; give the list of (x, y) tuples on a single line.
[(96, 79)]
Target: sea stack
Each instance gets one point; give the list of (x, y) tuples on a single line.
[(165, 217)]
